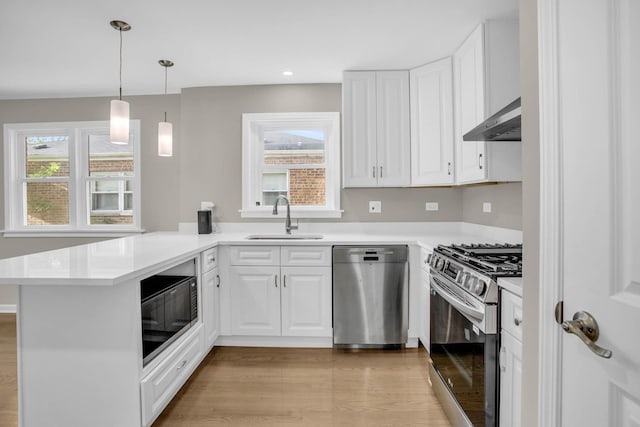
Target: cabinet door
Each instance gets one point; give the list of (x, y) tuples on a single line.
[(432, 123), (306, 301), (211, 307), (393, 141), (510, 381), (255, 300), (468, 70), (359, 129)]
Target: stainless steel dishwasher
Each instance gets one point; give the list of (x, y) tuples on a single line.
[(370, 296)]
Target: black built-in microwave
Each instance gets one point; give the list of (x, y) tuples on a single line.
[(169, 309)]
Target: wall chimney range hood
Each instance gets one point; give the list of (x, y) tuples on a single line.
[(502, 126)]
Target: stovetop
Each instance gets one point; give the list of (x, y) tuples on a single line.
[(495, 260), (475, 268)]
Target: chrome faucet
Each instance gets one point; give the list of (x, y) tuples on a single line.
[(287, 223)]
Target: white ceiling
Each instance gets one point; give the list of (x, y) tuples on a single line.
[(66, 48)]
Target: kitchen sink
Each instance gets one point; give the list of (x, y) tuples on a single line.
[(284, 237)]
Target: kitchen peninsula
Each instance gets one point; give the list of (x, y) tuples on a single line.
[(79, 316)]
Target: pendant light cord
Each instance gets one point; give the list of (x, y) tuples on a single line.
[(120, 64), (165, 90)]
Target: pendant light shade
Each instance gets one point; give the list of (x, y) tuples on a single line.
[(119, 127), (165, 129), (119, 122), (165, 139)]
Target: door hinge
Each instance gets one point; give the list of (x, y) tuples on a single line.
[(559, 312)]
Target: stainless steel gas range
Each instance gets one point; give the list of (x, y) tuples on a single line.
[(464, 339)]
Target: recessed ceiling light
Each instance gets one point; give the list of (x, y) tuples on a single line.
[(287, 73)]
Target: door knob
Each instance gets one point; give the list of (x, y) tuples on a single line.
[(586, 328)]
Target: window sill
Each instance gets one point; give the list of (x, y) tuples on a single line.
[(71, 233), (297, 213)]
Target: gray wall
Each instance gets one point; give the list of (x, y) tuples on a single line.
[(506, 204), (531, 207)]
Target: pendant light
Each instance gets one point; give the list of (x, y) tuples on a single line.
[(119, 129), (165, 129)]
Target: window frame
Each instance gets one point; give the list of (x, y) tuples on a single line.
[(79, 180), (253, 126)]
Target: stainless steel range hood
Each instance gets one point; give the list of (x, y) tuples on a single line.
[(502, 126)]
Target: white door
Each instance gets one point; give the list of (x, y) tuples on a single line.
[(306, 301), (393, 140), (432, 123), (598, 182), (359, 163), (209, 309), (255, 300), (469, 106)]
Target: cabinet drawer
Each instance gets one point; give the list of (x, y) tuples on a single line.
[(306, 256), (209, 259), (159, 387), (512, 314), (254, 255)]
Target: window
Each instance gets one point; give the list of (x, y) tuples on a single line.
[(68, 178), (295, 155)]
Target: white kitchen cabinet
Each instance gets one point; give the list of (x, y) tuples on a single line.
[(292, 298), (210, 297), (486, 70), (159, 387), (432, 142), (376, 134), (255, 300), (510, 360), (306, 301)]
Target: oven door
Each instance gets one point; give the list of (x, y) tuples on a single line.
[(463, 355)]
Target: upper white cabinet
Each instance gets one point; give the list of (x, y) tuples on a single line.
[(376, 141), (432, 153), (486, 70)]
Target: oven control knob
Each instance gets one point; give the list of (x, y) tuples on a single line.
[(464, 279), (479, 287), (470, 283)]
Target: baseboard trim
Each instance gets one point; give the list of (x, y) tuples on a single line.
[(7, 308)]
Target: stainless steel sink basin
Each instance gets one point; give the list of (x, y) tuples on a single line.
[(284, 237)]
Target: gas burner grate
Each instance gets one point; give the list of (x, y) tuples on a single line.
[(492, 259)]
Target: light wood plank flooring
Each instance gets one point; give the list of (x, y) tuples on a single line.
[(281, 387)]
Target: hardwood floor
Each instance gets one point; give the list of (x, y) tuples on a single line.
[(280, 387), (8, 371), (307, 387)]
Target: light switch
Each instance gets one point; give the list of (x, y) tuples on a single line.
[(375, 206), (486, 207)]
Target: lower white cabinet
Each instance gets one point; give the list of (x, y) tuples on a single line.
[(161, 384), (305, 300), (287, 301), (510, 360), (255, 300), (282, 299), (211, 307), (210, 300)]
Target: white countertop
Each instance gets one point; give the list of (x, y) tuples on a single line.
[(115, 261), (511, 284)]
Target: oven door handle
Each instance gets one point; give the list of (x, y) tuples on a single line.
[(460, 305)]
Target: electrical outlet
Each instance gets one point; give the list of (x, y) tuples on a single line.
[(486, 207), (431, 206), (206, 205), (375, 206)]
